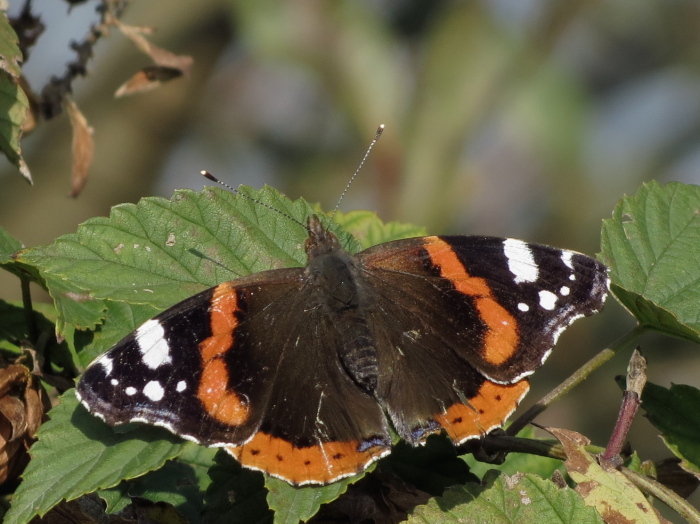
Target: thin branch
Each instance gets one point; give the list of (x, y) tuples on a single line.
[(54, 93), (575, 379)]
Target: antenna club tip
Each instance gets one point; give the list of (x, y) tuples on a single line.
[(379, 132), (207, 174)]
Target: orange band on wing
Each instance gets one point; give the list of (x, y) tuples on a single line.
[(501, 338), (489, 409), (321, 464), (220, 402)]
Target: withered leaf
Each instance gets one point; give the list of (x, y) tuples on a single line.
[(148, 78), (83, 147)]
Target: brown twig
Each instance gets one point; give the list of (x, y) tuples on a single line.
[(636, 378), (54, 93), (28, 28)]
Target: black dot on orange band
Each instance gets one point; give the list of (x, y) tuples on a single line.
[(254, 451), (322, 463), (457, 420), (498, 397)]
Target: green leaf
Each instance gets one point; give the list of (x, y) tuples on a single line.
[(159, 252), (652, 246), (9, 245), (10, 55), (292, 504), (77, 454), (200, 459), (369, 230), (74, 306), (180, 483), (120, 320), (116, 498), (675, 413), (507, 500), (13, 102), (236, 495)]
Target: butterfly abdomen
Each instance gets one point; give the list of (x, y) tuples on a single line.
[(357, 349)]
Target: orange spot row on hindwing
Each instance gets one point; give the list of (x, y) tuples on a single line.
[(322, 463), (487, 410)]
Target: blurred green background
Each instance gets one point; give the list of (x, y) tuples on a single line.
[(524, 118)]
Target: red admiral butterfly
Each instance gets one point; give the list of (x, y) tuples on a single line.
[(298, 372)]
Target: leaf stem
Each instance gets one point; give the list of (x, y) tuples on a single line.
[(575, 379)]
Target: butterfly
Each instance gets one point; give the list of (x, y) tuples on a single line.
[(301, 372)]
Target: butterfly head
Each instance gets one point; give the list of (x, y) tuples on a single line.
[(321, 241)]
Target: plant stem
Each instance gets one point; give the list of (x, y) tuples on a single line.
[(495, 443), (29, 316), (575, 379), (636, 378), (664, 494)]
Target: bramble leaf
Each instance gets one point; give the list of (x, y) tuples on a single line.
[(652, 246)]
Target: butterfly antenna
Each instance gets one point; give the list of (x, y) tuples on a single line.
[(380, 129), (207, 174)]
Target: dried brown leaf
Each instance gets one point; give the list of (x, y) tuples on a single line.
[(36, 405), (13, 415), (12, 376), (670, 473), (147, 79), (159, 55), (83, 147), (23, 405)]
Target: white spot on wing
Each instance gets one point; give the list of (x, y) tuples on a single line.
[(107, 364), (567, 258), (130, 391), (154, 391), (522, 306), (564, 291), (181, 386), (548, 300), (152, 344), (520, 260), (114, 382)]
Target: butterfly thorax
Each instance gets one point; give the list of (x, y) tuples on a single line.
[(332, 275)]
